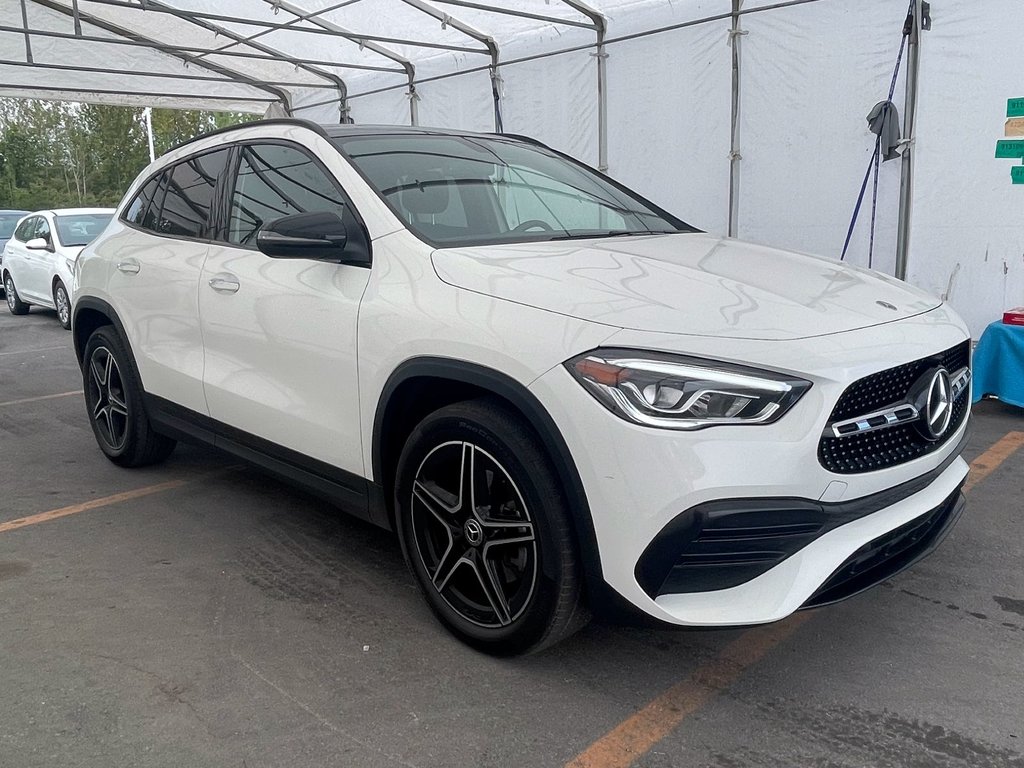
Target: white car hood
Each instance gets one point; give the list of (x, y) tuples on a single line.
[(694, 284)]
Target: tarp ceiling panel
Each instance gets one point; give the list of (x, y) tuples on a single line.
[(464, 101)]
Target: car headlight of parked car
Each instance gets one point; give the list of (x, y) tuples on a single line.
[(677, 392)]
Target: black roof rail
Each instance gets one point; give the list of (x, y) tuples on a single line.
[(252, 123)]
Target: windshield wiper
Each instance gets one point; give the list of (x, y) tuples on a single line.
[(612, 233)]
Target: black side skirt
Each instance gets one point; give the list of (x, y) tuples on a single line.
[(347, 490)]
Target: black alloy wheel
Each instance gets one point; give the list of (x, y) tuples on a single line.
[(113, 398), (485, 529), (63, 305), (473, 534)]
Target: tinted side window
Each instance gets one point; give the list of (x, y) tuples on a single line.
[(43, 229), (136, 211), (151, 218), (186, 207), (275, 181)]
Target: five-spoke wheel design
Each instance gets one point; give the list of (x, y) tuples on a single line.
[(107, 399), (473, 534)]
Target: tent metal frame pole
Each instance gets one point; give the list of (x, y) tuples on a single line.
[(600, 26), (28, 38), (165, 75), (111, 92), (489, 43), (903, 232), (76, 16), (134, 38), (519, 14), (380, 50), (735, 156), (188, 52), (313, 70)]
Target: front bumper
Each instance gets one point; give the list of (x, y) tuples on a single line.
[(641, 482)]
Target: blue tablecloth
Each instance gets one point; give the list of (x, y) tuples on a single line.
[(999, 364)]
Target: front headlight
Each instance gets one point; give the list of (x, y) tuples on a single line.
[(677, 392)]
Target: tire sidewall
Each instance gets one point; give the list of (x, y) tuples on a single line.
[(107, 337), (59, 288), (543, 501)]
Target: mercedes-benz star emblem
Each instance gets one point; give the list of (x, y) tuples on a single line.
[(938, 410), (474, 532)]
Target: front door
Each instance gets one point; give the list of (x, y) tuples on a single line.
[(280, 334)]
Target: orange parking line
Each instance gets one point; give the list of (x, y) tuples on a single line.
[(635, 736), (85, 506), (25, 400), (990, 460)]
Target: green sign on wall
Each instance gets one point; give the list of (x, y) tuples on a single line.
[(1017, 174), (1015, 108), (1010, 149)]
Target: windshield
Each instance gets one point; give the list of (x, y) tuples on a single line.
[(7, 223), (460, 190), (80, 228)]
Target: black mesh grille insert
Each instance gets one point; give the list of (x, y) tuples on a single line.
[(898, 444)]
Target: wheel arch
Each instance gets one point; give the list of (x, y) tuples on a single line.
[(90, 313), (421, 385)]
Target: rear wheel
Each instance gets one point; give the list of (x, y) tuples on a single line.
[(14, 302), (113, 398), (63, 304), (485, 529)]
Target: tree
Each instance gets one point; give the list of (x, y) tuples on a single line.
[(58, 154)]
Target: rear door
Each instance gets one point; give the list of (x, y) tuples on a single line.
[(280, 334), (155, 281)]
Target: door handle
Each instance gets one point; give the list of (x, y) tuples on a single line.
[(128, 266), (224, 283)]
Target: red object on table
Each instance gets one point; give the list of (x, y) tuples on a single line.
[(1014, 316)]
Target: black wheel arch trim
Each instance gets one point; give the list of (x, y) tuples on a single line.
[(540, 421)]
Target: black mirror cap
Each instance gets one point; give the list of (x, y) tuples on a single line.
[(320, 235)]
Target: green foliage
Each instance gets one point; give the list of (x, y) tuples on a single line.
[(57, 154)]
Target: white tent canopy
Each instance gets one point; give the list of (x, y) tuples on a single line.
[(745, 117)]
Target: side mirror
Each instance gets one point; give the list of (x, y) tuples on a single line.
[(39, 244), (321, 235)]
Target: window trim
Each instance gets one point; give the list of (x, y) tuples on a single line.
[(224, 217), (159, 176), (339, 144)]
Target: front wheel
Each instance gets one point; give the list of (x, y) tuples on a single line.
[(14, 302), (484, 527), (63, 305), (113, 398)]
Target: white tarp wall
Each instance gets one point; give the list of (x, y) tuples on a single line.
[(809, 72)]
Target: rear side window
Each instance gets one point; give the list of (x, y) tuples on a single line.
[(190, 186), (274, 181), (139, 206)]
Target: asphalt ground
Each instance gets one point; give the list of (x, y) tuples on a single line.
[(211, 616)]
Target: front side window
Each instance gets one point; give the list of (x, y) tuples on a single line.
[(453, 190), (275, 180), (79, 228), (190, 186), (42, 229), (24, 231)]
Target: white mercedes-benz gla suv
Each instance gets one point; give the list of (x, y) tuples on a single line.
[(563, 399)]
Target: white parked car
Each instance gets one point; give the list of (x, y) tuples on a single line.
[(39, 258), (562, 398)]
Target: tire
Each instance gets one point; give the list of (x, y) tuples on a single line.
[(62, 302), (113, 399), (504, 581), (14, 302)]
